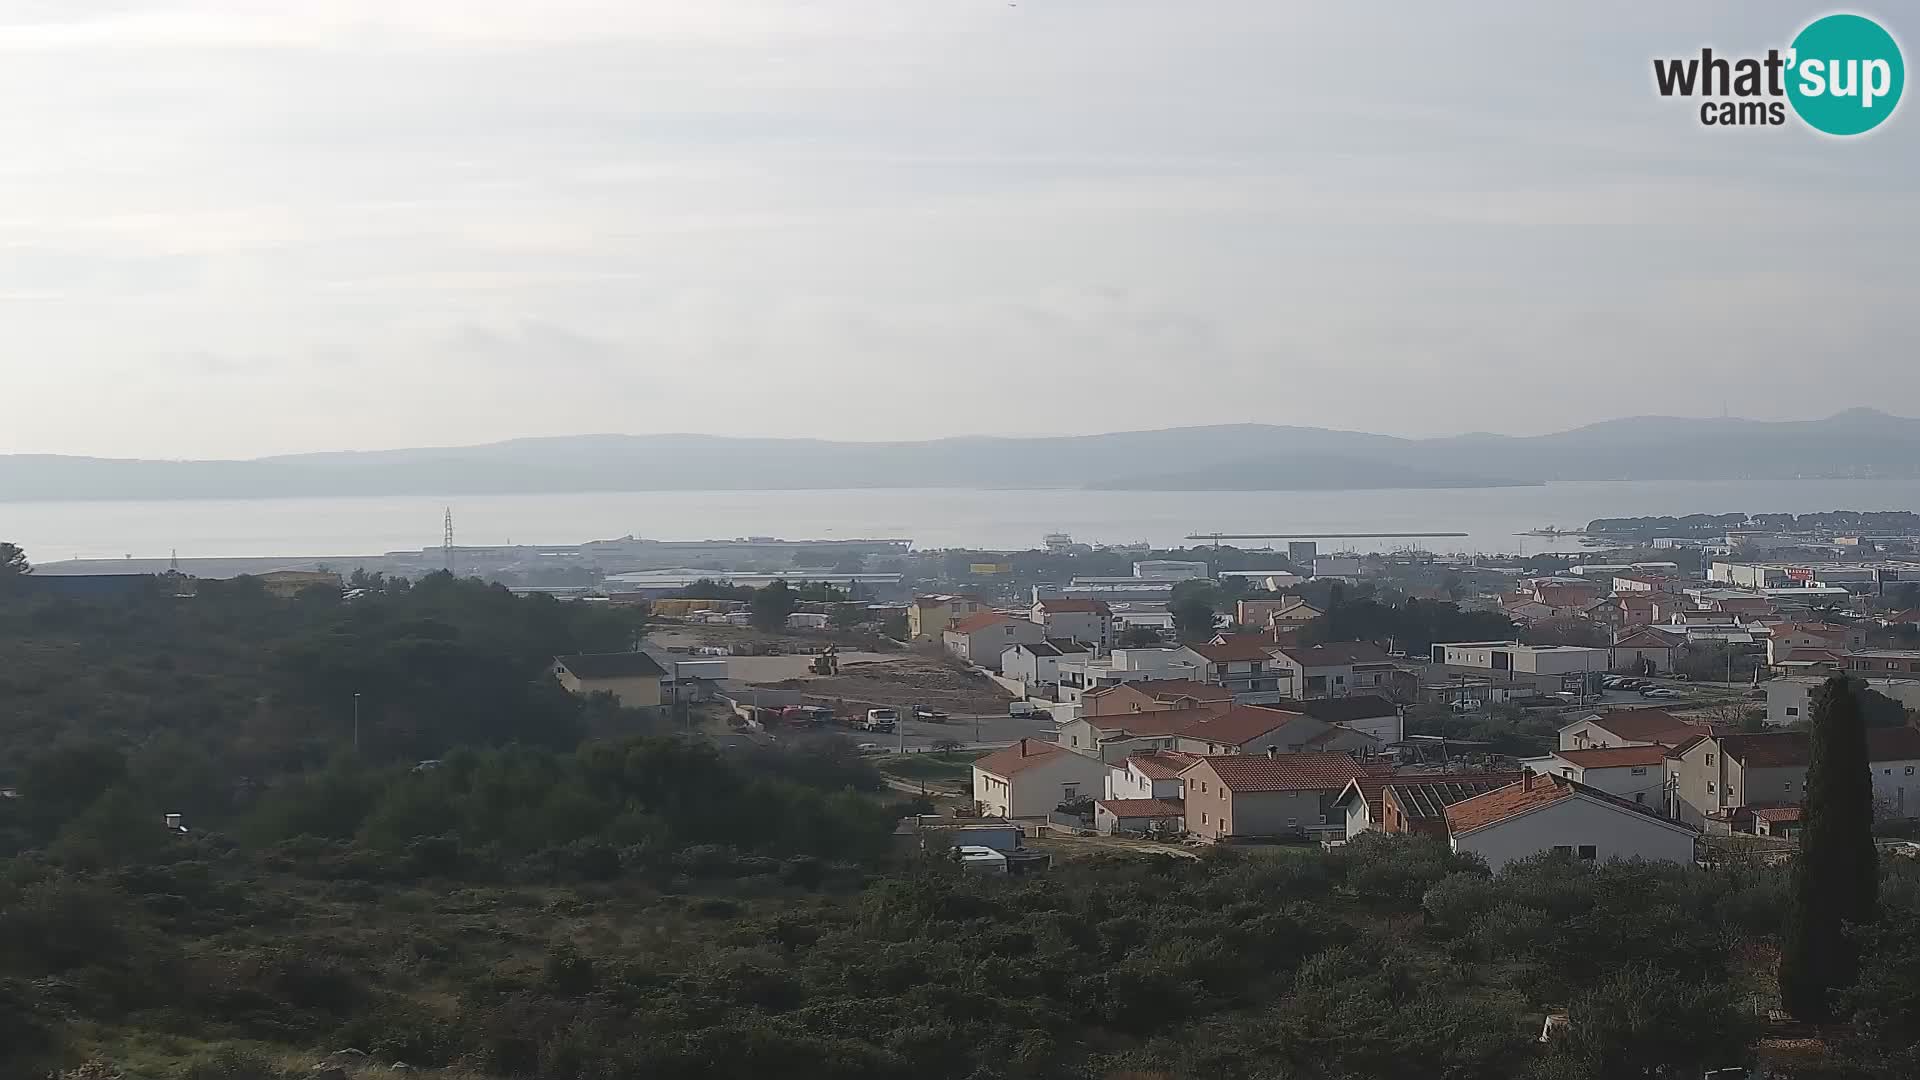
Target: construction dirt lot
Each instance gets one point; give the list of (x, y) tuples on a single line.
[(901, 681)]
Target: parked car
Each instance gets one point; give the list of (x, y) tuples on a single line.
[(1023, 707), (869, 748), (882, 720), (1659, 692), (928, 713), (1465, 705)]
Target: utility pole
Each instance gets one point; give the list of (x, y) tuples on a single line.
[(356, 722), (446, 543)]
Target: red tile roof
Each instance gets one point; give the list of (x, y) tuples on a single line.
[(1645, 725), (1171, 689), (1893, 744), (1335, 654), (1503, 803), (1060, 606), (1614, 757), (1529, 794), (1283, 772), (1144, 808), (1241, 723), (1775, 813), (1766, 750), (1161, 764), (1019, 757), (979, 621), (1233, 651), (1152, 721)]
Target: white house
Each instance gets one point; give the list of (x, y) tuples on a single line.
[(1553, 813), (1153, 774), (1089, 622), (1637, 774), (1627, 727), (982, 638), (1038, 664), (1079, 675), (1031, 777)]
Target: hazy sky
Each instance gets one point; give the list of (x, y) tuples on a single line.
[(245, 228)]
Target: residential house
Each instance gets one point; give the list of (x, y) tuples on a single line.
[(1412, 802), (1553, 813), (1138, 817), (1644, 650), (1150, 695), (929, 616), (1784, 638), (1293, 611), (633, 678), (1084, 675), (1031, 777), (1250, 729), (1242, 665), (1628, 727), (1089, 622), (1113, 736), (1153, 774), (1714, 777), (1884, 663), (1637, 774), (1790, 697), (982, 639), (1267, 795), (1336, 669), (1370, 715), (1037, 664)]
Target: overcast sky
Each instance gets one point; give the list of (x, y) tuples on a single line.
[(230, 229)]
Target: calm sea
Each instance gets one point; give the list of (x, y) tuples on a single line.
[(1493, 518)]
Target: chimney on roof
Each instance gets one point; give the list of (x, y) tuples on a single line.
[(1528, 781), (1272, 750)]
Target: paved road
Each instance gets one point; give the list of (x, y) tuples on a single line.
[(974, 732)]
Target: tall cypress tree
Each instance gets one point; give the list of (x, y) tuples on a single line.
[(1836, 879)]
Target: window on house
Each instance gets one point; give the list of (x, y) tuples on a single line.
[(1909, 770), (1640, 797), (1789, 785), (1709, 787), (1323, 819), (1203, 817), (1589, 852), (1563, 849), (1637, 770), (1293, 823), (1709, 761), (1068, 792), (1793, 710)]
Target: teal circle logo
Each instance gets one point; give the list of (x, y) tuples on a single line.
[(1845, 74)]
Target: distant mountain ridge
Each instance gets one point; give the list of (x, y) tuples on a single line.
[(1235, 457)]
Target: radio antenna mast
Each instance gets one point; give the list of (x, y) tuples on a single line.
[(446, 544)]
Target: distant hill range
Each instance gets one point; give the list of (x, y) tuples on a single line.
[(1237, 457)]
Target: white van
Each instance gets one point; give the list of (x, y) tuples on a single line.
[(1025, 708)]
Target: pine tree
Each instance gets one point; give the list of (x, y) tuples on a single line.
[(1836, 878)]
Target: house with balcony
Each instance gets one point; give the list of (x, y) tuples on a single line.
[(1243, 666), (1336, 669)]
